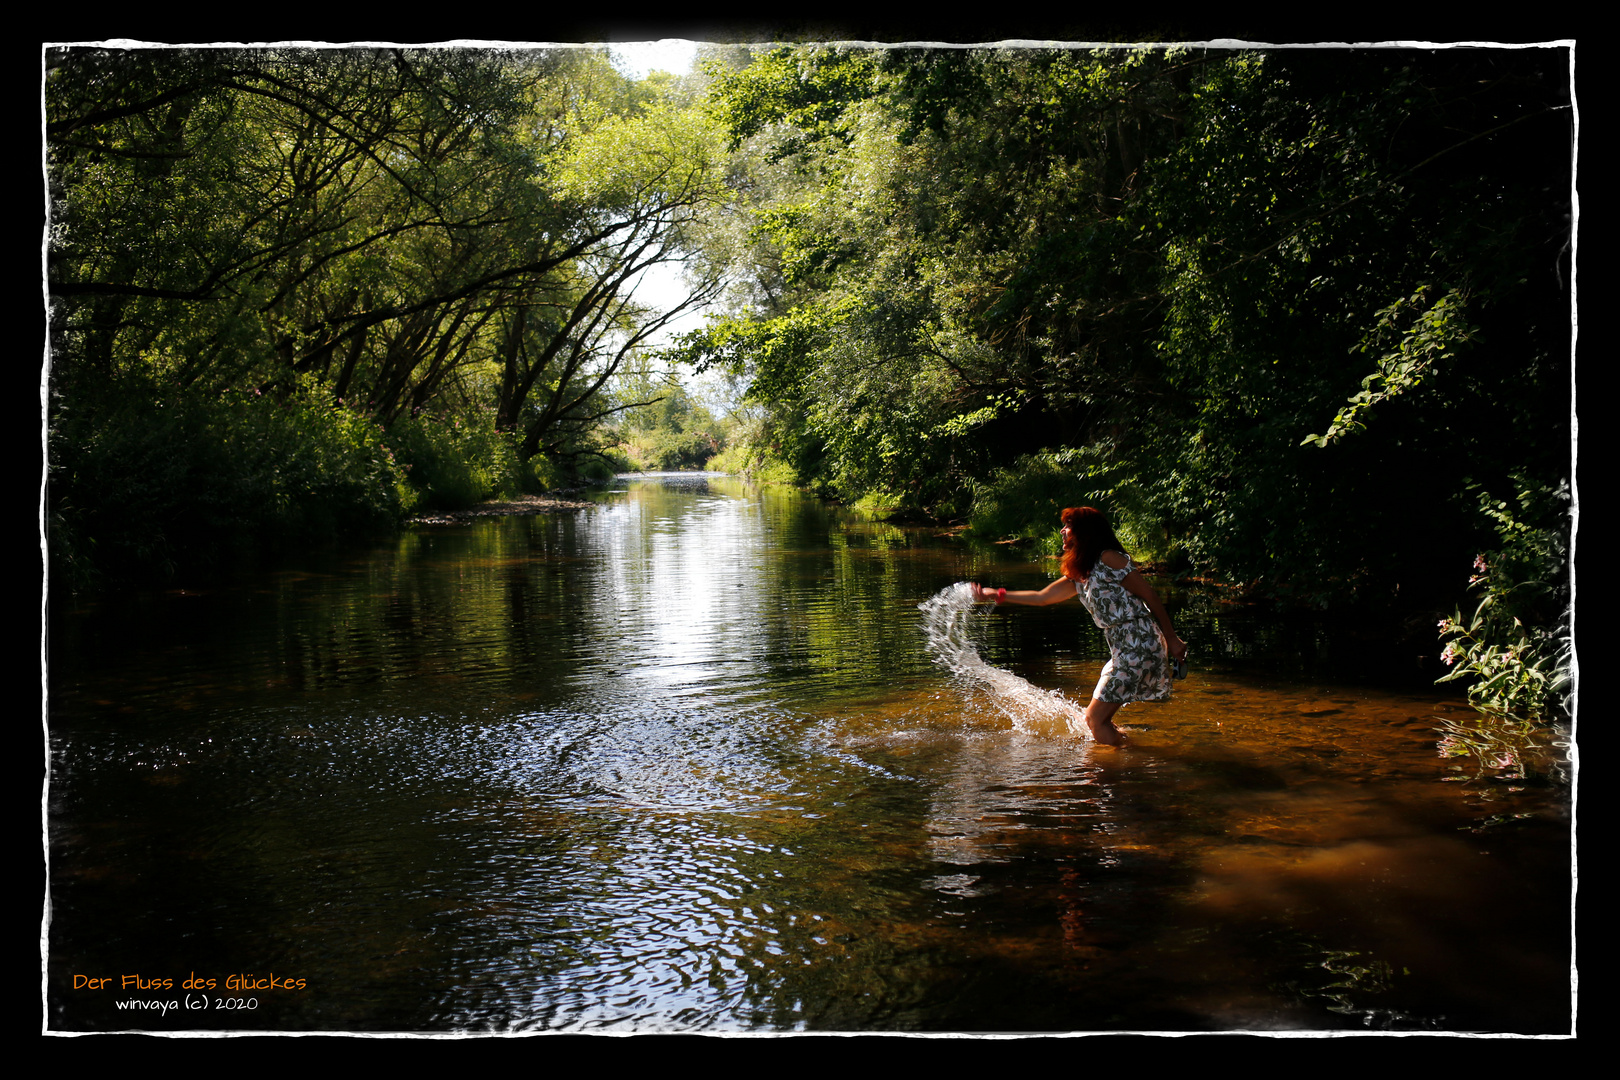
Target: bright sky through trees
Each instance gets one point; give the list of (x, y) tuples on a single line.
[(661, 286), (638, 59)]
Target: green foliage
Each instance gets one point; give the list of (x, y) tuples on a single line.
[(802, 90), (658, 151), (671, 450), (1024, 500), (676, 432), (751, 450), (946, 249), (976, 262), (1304, 196), (152, 485), (1516, 652), (445, 243), (1436, 334), (599, 469), (546, 473), (455, 462)]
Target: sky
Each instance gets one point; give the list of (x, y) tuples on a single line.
[(661, 286), (639, 58)]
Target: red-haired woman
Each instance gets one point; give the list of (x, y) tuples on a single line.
[(1140, 637)]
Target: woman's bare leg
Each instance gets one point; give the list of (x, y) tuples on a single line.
[(1100, 719)]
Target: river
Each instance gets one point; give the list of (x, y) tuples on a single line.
[(685, 761)]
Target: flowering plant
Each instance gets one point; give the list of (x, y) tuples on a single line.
[(1516, 649)]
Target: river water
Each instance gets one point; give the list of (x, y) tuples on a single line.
[(690, 760)]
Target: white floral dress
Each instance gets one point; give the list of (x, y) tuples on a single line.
[(1139, 669)]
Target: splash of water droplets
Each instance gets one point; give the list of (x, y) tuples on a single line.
[(946, 618)]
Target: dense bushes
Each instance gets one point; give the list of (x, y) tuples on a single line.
[(455, 462), (748, 453), (182, 480), (1024, 500), (673, 432), (665, 450), (188, 479)]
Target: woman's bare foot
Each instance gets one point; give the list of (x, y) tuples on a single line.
[(1105, 733), (1100, 719)]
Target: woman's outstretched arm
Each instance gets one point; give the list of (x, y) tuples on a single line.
[(1059, 590)]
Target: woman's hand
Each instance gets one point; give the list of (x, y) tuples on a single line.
[(982, 595), (1178, 648)]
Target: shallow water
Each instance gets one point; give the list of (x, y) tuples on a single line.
[(685, 761)]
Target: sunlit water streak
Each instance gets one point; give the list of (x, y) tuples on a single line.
[(947, 617)]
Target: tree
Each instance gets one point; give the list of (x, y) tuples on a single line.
[(407, 232), (648, 177), (948, 257), (1179, 265)]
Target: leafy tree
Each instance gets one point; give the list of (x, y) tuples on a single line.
[(413, 233), (649, 177), (1276, 310), (945, 255), (1312, 222)]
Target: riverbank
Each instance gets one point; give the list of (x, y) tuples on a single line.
[(523, 504)]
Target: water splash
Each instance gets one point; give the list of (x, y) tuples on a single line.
[(1032, 710)]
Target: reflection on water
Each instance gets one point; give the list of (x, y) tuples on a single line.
[(685, 762)]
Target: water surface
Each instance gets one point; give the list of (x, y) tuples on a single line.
[(684, 761)]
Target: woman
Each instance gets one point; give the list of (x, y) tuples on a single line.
[(1097, 570)]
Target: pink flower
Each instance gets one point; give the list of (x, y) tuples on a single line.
[(1479, 563)]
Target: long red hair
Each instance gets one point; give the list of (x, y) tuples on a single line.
[(1092, 536)]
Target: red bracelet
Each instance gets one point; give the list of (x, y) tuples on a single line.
[(1001, 594)]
